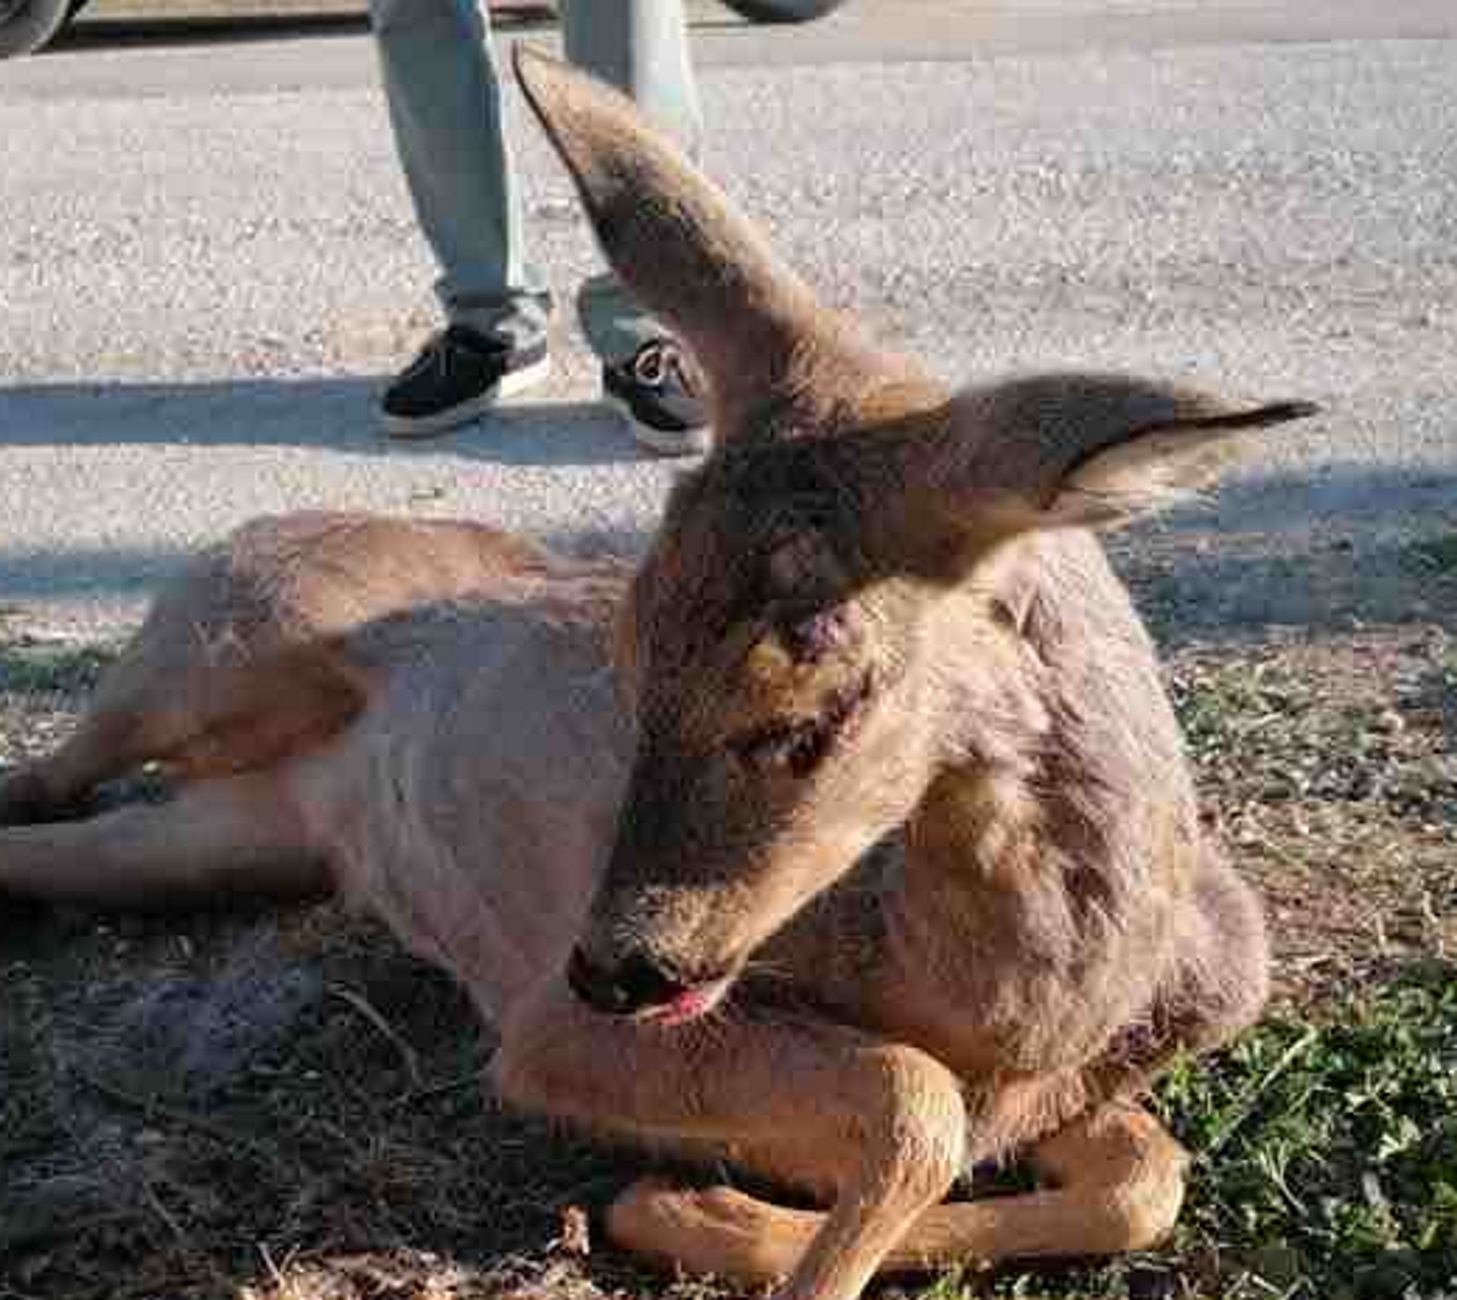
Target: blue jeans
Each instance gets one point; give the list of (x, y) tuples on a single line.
[(443, 87)]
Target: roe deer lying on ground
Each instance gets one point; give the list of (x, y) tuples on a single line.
[(885, 859)]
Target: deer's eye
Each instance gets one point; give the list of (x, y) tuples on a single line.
[(798, 746)]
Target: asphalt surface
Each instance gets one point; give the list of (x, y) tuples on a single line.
[(209, 265)]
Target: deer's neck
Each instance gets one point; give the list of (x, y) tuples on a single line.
[(982, 935), (972, 876)]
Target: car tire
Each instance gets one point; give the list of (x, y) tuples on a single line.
[(26, 25), (783, 11)]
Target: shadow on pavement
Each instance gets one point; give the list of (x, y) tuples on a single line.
[(85, 573), (1349, 544), (1353, 545), (327, 414)]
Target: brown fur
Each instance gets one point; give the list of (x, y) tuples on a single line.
[(885, 763)]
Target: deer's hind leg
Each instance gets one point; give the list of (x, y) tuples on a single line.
[(194, 718), (1116, 1183), (229, 716), (216, 840), (232, 733), (107, 743), (221, 678)]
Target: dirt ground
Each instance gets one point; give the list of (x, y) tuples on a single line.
[(286, 1106)]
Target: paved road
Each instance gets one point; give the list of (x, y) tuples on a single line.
[(209, 263)]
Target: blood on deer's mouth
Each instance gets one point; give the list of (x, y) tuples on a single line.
[(690, 1004)]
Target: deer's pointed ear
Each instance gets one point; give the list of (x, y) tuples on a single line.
[(1057, 451), (1155, 468), (676, 241)]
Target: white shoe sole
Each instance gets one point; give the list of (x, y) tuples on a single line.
[(428, 426), (691, 442)]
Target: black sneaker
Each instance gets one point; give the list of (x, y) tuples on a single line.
[(458, 375), (659, 392)]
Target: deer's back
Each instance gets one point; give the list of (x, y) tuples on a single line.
[(288, 579)]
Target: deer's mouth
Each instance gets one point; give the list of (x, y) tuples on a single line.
[(690, 1004), (644, 990)]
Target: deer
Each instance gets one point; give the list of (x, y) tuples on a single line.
[(845, 838)]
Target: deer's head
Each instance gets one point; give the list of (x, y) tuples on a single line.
[(790, 712)]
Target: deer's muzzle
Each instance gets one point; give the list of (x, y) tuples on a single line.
[(641, 987)]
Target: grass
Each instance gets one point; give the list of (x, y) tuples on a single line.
[(33, 667), (1437, 555), (1327, 1151), (1325, 1163), (288, 1108), (1330, 769)]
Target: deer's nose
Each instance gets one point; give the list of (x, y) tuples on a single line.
[(634, 983)]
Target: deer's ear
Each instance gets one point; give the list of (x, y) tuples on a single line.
[(1053, 451), (676, 241), (1155, 468)]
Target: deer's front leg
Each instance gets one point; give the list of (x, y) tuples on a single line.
[(878, 1129)]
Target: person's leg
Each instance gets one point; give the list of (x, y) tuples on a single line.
[(438, 66), (641, 47)]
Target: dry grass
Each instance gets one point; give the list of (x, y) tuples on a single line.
[(288, 1108), (1329, 767)]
